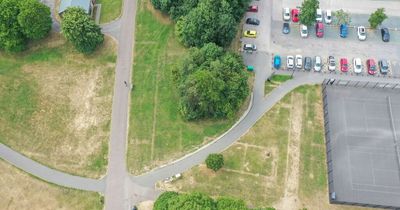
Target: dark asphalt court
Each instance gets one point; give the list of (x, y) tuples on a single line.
[(363, 163)]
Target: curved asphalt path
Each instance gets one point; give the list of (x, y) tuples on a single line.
[(121, 189)]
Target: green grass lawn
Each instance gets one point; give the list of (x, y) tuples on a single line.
[(110, 10), (256, 165), (275, 81), (157, 132), (22, 191), (55, 105)]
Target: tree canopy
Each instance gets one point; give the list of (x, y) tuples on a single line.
[(342, 17), (212, 83), (21, 21), (308, 12), (215, 161), (377, 17), (81, 30)]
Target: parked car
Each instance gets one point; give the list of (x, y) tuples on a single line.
[(277, 62), (286, 28), (286, 14), (249, 47), (331, 63), (307, 63), (250, 33), (252, 8), (303, 31), (344, 66), (290, 62), (343, 30), (361, 33), (328, 16), (299, 61), (253, 21), (371, 66), (383, 66), (317, 63), (319, 30), (319, 15), (295, 15), (357, 65), (385, 34)]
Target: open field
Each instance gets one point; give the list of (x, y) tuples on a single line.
[(110, 10), (55, 105), (22, 191), (280, 162), (157, 133)]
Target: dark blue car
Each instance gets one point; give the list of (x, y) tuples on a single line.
[(343, 30), (277, 62)]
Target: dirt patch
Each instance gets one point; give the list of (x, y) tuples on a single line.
[(290, 199), (146, 205)]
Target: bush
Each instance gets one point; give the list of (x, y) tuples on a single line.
[(215, 161), (81, 30), (377, 17), (212, 83)]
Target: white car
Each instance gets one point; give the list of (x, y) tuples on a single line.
[(286, 14), (299, 61), (317, 63), (362, 33), (290, 62), (357, 65), (331, 63), (328, 16), (303, 31), (319, 15)]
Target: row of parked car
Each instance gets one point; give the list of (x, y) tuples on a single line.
[(293, 15), (316, 64)]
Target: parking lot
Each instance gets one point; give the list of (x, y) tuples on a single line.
[(362, 126)]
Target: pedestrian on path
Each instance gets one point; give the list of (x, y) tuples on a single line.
[(126, 84)]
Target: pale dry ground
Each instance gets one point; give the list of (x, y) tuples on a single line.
[(21, 191), (69, 126)]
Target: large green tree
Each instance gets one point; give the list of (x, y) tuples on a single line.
[(308, 12), (377, 17), (212, 83), (215, 161), (165, 200), (81, 30), (342, 17), (34, 19), (225, 203), (192, 201), (11, 37)]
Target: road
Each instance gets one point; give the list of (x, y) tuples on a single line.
[(123, 190)]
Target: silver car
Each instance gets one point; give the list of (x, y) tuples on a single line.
[(317, 63), (290, 62), (361, 33)]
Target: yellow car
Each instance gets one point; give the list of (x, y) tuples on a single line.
[(250, 34)]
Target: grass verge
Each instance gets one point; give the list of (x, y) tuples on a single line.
[(275, 81), (55, 105), (22, 191), (110, 10), (157, 133)]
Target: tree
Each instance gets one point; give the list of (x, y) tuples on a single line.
[(11, 37), (81, 30), (34, 19), (212, 83), (377, 18), (342, 17), (192, 201), (225, 203), (308, 12), (165, 200), (215, 161)]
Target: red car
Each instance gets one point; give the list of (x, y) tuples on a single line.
[(295, 15), (371, 66), (252, 8), (319, 30), (344, 66)]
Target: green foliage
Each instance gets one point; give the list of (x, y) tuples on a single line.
[(21, 21), (81, 30), (34, 19), (165, 200), (225, 203), (341, 17), (377, 18), (212, 83), (308, 12), (215, 161)]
